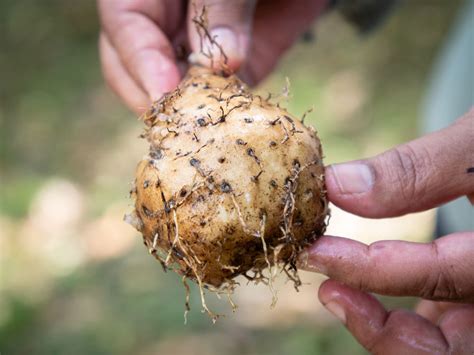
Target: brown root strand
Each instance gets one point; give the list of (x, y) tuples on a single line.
[(187, 308), (201, 24)]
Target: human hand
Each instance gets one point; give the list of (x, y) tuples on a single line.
[(139, 40), (413, 177)]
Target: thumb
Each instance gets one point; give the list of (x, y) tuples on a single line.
[(412, 177), (228, 24), (397, 331)]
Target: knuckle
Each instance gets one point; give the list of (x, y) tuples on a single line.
[(440, 287), (387, 331), (440, 283), (409, 171)]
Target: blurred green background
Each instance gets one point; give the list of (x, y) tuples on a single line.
[(74, 279)]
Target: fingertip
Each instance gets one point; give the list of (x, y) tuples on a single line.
[(233, 43), (329, 296), (362, 314), (227, 49), (349, 186), (356, 304), (158, 74), (118, 79), (335, 257), (329, 290), (220, 31)]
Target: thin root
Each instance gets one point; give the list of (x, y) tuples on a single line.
[(187, 308), (241, 217), (261, 234)]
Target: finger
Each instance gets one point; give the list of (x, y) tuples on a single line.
[(412, 177), (229, 23), (457, 326), (433, 310), (277, 25), (441, 270), (395, 332), (118, 78), (144, 50)]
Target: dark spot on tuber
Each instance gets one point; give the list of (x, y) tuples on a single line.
[(168, 205), (240, 142), (225, 187), (177, 253), (251, 153), (255, 177), (298, 219), (194, 162), (201, 122), (470, 170), (146, 183), (156, 154), (275, 121), (221, 160), (248, 120), (147, 212)]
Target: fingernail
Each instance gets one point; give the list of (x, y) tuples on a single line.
[(353, 178), (336, 310), (228, 40), (309, 263)]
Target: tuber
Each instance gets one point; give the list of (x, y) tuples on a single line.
[(232, 184)]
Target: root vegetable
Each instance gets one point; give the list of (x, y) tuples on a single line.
[(233, 184)]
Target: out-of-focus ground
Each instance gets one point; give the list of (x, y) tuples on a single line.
[(74, 279)]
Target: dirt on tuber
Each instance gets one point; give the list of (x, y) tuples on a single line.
[(232, 184)]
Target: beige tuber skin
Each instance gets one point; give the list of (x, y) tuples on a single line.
[(232, 183)]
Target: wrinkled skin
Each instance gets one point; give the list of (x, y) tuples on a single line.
[(224, 167), (412, 177)]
